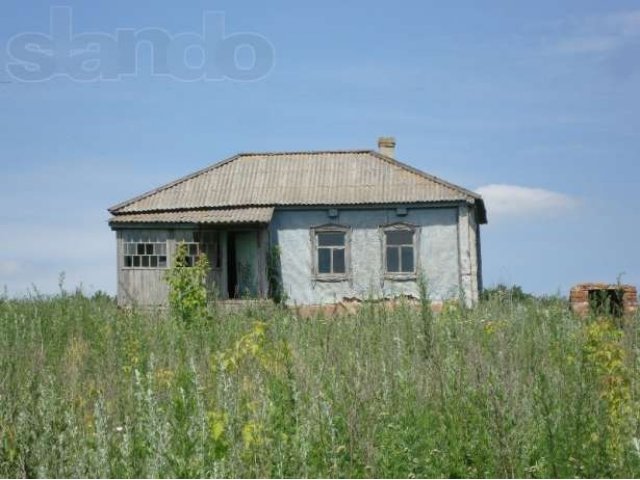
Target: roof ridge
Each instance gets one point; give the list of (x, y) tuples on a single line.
[(302, 152)]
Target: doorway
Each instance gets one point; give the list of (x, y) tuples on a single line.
[(242, 264), (606, 302)]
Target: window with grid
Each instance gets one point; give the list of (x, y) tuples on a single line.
[(331, 252), (201, 243), (400, 251), (145, 254)]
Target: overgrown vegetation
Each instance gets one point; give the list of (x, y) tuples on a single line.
[(188, 296), (504, 293), (276, 290), (507, 389)]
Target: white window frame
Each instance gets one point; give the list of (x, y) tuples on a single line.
[(331, 228), (132, 253), (406, 227)]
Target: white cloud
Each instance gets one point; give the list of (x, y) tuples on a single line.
[(598, 34), (625, 23), (587, 44), (517, 201)]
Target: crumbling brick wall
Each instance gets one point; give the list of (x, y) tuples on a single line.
[(579, 297)]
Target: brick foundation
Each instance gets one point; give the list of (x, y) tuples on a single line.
[(349, 306)]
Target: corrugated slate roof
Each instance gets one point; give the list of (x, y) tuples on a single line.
[(300, 178), (209, 216)]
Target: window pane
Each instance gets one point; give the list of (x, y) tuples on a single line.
[(145, 254), (338, 260), (400, 237), (407, 259), (331, 239), (393, 262), (193, 249), (324, 260), (188, 261)]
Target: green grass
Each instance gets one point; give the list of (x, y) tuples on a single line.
[(507, 389)]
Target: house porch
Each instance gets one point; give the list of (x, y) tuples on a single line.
[(235, 242)]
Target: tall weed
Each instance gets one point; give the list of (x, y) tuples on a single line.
[(508, 389)]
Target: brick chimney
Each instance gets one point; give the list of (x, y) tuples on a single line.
[(387, 146)]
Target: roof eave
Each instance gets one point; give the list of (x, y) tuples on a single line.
[(113, 222), (474, 198), (482, 212)]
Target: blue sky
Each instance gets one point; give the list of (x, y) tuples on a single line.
[(534, 104)]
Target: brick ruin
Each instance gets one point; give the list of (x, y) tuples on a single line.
[(603, 298)]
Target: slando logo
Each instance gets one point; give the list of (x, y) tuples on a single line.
[(94, 56)]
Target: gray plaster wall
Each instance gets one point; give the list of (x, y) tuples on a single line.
[(448, 256), (443, 238)]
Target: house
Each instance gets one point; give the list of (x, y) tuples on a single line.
[(345, 225)]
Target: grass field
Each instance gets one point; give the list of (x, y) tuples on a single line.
[(508, 389)]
